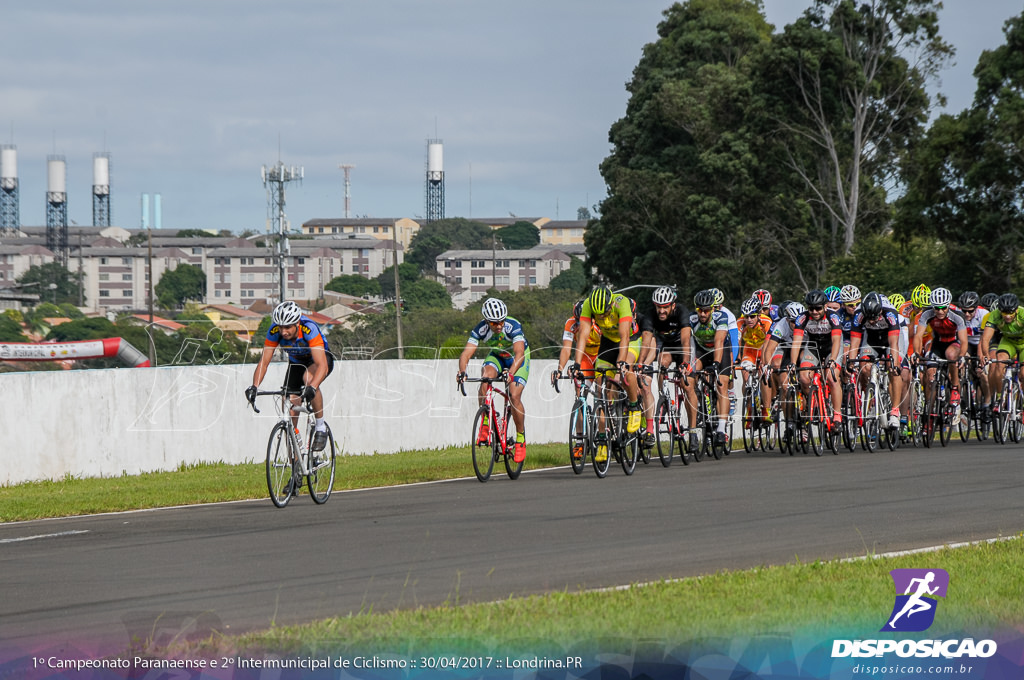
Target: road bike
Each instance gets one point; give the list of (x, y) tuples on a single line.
[(581, 423), (1006, 413), (786, 410), (611, 415), (290, 457), (939, 414), (492, 444), (669, 430), (756, 427), (875, 405), (973, 415), (820, 429), (707, 387)]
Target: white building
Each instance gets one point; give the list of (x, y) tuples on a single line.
[(468, 274)]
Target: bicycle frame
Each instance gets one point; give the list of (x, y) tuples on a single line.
[(497, 446)]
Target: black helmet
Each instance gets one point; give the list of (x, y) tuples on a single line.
[(967, 299), (871, 306), (1008, 303), (815, 298), (988, 300), (600, 299), (577, 309), (704, 298)]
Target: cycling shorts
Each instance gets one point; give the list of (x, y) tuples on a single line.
[(295, 374), (503, 364), (608, 352), (1014, 349)]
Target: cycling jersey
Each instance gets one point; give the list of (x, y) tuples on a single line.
[(669, 330), (1012, 330), (734, 331), (975, 325), (944, 330), (502, 341), (704, 333), (572, 325), (298, 349), (754, 332), (846, 322), (620, 308), (828, 325)]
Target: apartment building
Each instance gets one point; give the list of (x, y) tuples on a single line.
[(468, 274)]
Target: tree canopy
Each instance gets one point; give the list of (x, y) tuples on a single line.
[(184, 282)]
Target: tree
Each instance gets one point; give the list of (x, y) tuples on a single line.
[(435, 237), (845, 85), (10, 331), (521, 235), (966, 179), (39, 279), (184, 282), (573, 279), (354, 284)]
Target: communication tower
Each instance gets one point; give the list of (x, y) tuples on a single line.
[(435, 180), (101, 190), (275, 178), (347, 169), (10, 222), (57, 208)]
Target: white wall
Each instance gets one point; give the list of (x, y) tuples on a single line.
[(101, 423)]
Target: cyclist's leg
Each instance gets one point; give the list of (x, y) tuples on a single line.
[(515, 397), (492, 368), (294, 380)]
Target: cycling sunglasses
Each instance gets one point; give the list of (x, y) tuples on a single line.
[(816, 308), (705, 310), (940, 307), (968, 310)]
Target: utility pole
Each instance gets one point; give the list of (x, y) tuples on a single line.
[(398, 291), (275, 178)]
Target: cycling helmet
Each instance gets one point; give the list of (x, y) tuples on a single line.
[(719, 296), (1008, 303), (494, 310), (763, 297), (815, 298), (988, 300), (871, 306), (940, 297), (577, 309), (600, 299), (968, 299), (751, 306), (920, 296), (704, 299), (664, 295), (286, 314), (897, 301), (832, 293), (793, 310), (849, 294)]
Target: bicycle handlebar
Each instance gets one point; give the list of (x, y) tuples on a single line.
[(282, 392)]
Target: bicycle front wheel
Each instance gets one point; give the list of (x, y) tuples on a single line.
[(320, 479), (279, 467), (578, 436), (483, 446), (665, 431), (815, 422), (872, 411), (602, 443)]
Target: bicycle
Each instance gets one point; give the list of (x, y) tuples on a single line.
[(938, 413), (756, 427), (581, 424), (875, 406), (819, 425), (788, 406), (494, 445), (707, 414), (972, 414), (610, 416), (916, 408), (669, 430), (853, 402), (1006, 415), (291, 458)]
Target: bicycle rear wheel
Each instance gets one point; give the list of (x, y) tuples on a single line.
[(320, 465), (665, 428), (872, 411), (815, 422), (579, 440), (484, 448), (968, 408), (279, 467)]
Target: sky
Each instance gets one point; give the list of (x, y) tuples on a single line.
[(192, 98)]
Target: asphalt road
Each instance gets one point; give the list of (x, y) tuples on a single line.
[(93, 583)]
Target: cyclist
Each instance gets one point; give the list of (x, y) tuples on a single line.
[(949, 340), (710, 332), (849, 299), (817, 339), (877, 325), (309, 362), (734, 333), (754, 326), (614, 314), (1009, 321), (509, 356), (666, 329), (765, 298), (974, 316), (776, 348), (833, 297)]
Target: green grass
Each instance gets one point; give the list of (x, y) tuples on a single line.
[(211, 482)]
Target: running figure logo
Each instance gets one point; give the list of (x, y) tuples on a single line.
[(914, 609)]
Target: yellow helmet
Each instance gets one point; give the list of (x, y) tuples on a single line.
[(897, 300), (921, 297)]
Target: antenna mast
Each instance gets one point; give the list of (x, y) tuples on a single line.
[(347, 169)]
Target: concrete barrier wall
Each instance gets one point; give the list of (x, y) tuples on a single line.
[(102, 423)]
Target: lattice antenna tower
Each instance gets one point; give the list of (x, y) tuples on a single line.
[(57, 207), (347, 169), (101, 189), (275, 178)]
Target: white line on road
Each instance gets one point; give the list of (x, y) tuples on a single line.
[(32, 538)]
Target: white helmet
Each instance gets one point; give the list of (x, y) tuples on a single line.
[(794, 309), (849, 293), (286, 314), (494, 310), (941, 297), (751, 306), (664, 295)]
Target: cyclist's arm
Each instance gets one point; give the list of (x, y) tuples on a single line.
[(961, 337), (467, 354), (648, 348), (519, 350), (686, 339), (586, 325), (837, 344), (263, 365), (986, 340), (794, 351), (918, 338), (855, 339), (625, 333), (319, 367), (564, 354), (720, 336)]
